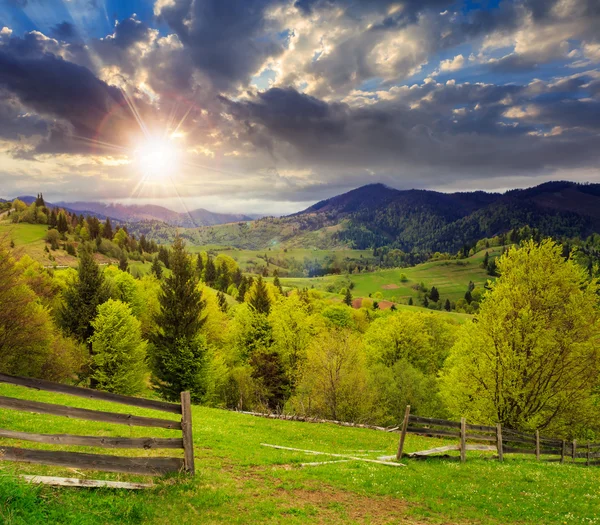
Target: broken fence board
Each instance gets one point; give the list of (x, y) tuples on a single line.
[(437, 450), (346, 456), (85, 483), (431, 421)]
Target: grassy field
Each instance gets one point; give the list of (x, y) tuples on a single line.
[(451, 278), (239, 481)]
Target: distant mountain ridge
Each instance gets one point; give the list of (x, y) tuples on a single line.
[(413, 220), (132, 213)]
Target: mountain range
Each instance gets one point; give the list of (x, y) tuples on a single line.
[(131, 213), (414, 220)]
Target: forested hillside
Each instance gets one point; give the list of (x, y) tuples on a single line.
[(415, 220)]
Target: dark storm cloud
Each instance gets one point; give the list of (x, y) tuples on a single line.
[(228, 41), (450, 126), (82, 106), (64, 31)]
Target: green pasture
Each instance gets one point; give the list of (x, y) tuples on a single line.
[(240, 481), (451, 278)]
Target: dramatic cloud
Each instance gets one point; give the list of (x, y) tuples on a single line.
[(293, 100)]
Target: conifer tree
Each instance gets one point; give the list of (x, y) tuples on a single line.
[(348, 297), (52, 221), (123, 264), (243, 288), (259, 297), (222, 301), (425, 302), (199, 265), (468, 297), (447, 305), (61, 224), (156, 268), (277, 282), (434, 294), (486, 260), (210, 272), (410, 301), (178, 355), (82, 298), (107, 232)]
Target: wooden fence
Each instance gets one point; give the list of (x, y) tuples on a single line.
[(498, 439), (131, 465)]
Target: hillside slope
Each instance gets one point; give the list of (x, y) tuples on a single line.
[(376, 215)]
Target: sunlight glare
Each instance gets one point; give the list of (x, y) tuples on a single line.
[(159, 159)]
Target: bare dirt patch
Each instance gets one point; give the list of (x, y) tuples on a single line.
[(390, 286)]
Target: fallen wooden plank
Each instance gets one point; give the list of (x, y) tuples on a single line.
[(85, 483), (431, 421), (436, 450), (94, 441), (388, 463), (83, 413), (87, 393), (130, 465), (483, 448), (317, 463)]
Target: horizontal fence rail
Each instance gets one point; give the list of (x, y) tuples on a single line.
[(150, 466), (502, 440)]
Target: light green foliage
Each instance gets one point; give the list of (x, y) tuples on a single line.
[(118, 351), (339, 315), (531, 360), (124, 287), (334, 380)]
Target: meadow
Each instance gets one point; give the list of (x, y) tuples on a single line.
[(239, 481)]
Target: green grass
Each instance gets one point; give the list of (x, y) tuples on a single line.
[(451, 278), (238, 481)]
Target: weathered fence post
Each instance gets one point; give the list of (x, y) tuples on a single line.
[(463, 439), (499, 442), (403, 433), (563, 450), (589, 453), (574, 451), (537, 445), (186, 428)]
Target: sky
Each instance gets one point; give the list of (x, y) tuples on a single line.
[(267, 106)]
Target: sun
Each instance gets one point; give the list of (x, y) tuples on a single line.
[(158, 159)]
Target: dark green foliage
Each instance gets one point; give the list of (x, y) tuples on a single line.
[(491, 268), (156, 268), (269, 370), (410, 301), (243, 287), (223, 277), (348, 297), (259, 299), (199, 265), (375, 305), (107, 232), (486, 260), (82, 298), (468, 297), (210, 272), (39, 201), (178, 353), (434, 294), (276, 281), (123, 264), (447, 305), (71, 249), (61, 224), (222, 301), (163, 256), (425, 301)]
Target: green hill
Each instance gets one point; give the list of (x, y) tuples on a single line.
[(240, 481)]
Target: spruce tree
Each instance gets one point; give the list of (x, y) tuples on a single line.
[(259, 297), (156, 268), (107, 232), (447, 305), (222, 301), (178, 354), (468, 297), (61, 224), (82, 298), (410, 301), (486, 260), (277, 282), (348, 297), (210, 272), (123, 264), (199, 265), (434, 294)]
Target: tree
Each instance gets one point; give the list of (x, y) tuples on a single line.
[(210, 272), (425, 301), (178, 354), (468, 297), (61, 224), (118, 350), (156, 268), (348, 297), (486, 260), (410, 301), (491, 268), (199, 265), (107, 232), (277, 282), (447, 305), (222, 301), (82, 298), (259, 297), (123, 264), (434, 294), (39, 201), (531, 360)]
